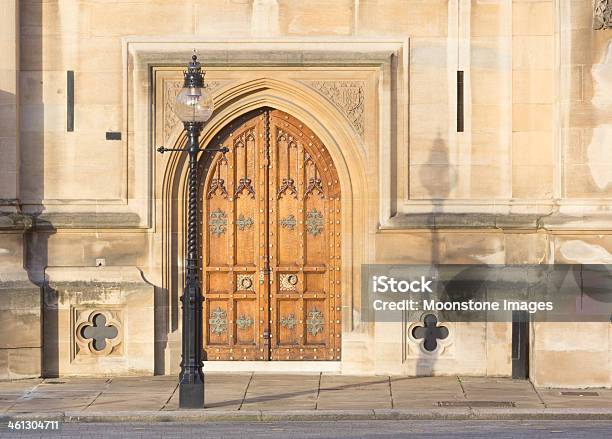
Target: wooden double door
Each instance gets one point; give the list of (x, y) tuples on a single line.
[(270, 234)]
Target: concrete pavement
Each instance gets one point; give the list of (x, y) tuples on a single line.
[(262, 396)]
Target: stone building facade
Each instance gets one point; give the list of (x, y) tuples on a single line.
[(92, 219)]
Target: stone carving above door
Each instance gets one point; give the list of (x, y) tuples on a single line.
[(171, 89), (602, 16), (347, 96)]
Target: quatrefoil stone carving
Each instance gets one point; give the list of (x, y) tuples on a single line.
[(430, 333), (98, 333)]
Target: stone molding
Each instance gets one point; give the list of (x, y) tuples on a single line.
[(602, 14), (15, 221), (507, 221)]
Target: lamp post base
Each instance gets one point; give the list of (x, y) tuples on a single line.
[(191, 395)]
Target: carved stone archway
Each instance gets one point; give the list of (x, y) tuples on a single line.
[(347, 151)]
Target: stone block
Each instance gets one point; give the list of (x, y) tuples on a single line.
[(587, 180), (526, 248), (316, 17), (532, 117), (408, 17), (154, 17), (24, 363), (571, 368), (488, 181), (532, 52), (532, 86), (487, 19), (532, 148), (490, 118), (498, 346), (473, 248), (20, 323), (532, 181), (100, 88), (428, 85), (487, 88), (486, 148), (533, 18), (229, 17), (77, 342)]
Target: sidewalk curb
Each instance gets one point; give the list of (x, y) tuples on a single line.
[(315, 415)]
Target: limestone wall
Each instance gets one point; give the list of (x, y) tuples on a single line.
[(527, 181)]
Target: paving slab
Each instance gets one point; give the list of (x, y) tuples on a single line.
[(424, 392), (40, 405), (261, 394), (354, 393), (278, 392), (554, 398), (107, 402)]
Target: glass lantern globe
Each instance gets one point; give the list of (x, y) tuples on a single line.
[(194, 104)]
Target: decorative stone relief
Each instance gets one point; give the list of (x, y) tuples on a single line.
[(315, 322), (97, 332), (602, 17), (288, 282), (347, 96), (171, 90)]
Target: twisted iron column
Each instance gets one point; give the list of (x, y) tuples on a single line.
[(191, 379)]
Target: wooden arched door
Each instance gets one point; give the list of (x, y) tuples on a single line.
[(270, 234)]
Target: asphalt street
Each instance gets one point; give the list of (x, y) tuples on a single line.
[(332, 430)]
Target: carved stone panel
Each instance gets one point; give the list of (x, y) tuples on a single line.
[(98, 332), (602, 15), (171, 90), (347, 96)]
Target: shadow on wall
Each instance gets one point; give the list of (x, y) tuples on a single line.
[(438, 186), (32, 172)]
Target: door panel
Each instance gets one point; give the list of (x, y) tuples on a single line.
[(271, 244), (232, 235)]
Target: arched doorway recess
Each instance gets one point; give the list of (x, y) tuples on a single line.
[(270, 215)]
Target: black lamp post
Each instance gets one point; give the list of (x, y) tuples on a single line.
[(194, 106)]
